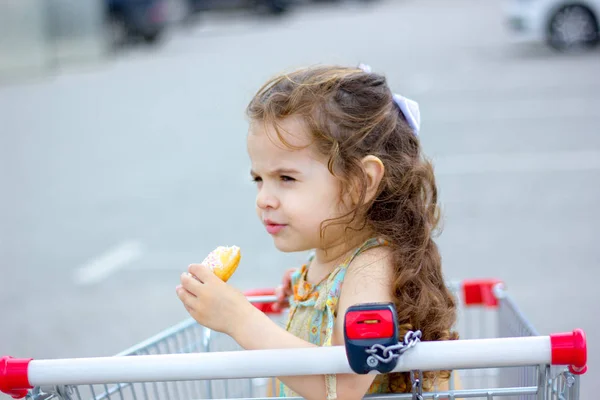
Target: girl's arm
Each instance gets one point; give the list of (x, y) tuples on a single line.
[(367, 280), (220, 307), (259, 332)]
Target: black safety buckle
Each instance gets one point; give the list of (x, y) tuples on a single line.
[(369, 329)]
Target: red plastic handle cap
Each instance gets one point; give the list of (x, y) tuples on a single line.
[(480, 292), (13, 376), (267, 308), (570, 349)]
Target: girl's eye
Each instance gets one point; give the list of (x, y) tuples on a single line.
[(286, 178), (256, 179)]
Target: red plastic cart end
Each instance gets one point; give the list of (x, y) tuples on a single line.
[(570, 349), (267, 308), (13, 376), (480, 292)]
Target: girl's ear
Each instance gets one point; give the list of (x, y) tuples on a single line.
[(374, 170)]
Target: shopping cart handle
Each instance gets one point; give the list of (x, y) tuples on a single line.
[(19, 375), (263, 299), (570, 349), (13, 376)]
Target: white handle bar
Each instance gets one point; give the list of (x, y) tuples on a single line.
[(457, 354), (262, 299)]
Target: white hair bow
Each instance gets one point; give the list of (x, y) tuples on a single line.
[(409, 108)]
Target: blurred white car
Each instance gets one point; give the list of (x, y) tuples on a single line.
[(562, 24)]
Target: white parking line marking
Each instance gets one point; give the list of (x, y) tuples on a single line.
[(108, 263)]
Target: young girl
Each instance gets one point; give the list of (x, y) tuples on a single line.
[(338, 167)]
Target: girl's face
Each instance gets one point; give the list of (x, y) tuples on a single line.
[(296, 191)]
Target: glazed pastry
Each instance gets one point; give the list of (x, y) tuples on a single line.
[(223, 261)]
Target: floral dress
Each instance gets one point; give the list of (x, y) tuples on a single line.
[(312, 313)]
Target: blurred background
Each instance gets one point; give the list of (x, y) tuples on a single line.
[(123, 160)]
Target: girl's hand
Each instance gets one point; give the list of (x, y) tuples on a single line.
[(211, 302), (284, 291)]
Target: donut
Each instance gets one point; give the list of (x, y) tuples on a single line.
[(223, 261)]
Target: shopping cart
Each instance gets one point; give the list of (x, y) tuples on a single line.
[(499, 356)]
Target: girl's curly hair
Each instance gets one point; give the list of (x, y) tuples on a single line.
[(352, 114)]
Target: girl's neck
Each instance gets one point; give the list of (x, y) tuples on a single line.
[(328, 258)]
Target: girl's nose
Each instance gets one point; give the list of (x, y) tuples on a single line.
[(265, 200)]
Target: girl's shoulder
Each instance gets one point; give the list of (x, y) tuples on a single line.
[(373, 266), (369, 278)]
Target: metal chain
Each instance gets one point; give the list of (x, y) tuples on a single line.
[(394, 351), (416, 379)]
